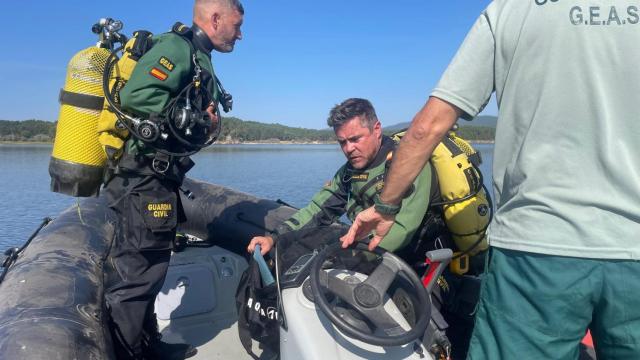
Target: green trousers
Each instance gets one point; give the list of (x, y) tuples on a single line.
[(535, 306)]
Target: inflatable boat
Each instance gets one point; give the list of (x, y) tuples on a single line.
[(52, 303)]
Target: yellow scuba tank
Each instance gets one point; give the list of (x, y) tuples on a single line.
[(79, 156), (77, 162), (112, 134), (90, 128), (464, 200), (465, 204)]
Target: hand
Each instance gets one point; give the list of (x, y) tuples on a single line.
[(265, 242), (213, 116), (366, 222)]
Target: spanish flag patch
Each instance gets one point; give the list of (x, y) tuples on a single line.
[(158, 74)]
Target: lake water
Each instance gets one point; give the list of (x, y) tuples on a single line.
[(292, 173)]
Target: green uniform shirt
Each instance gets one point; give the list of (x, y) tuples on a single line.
[(351, 191), (566, 166), (162, 73)]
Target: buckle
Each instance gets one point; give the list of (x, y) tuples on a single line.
[(160, 166)]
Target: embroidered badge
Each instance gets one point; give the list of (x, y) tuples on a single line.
[(158, 74), (360, 177), (166, 63)]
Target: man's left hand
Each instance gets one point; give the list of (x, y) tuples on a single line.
[(367, 221)]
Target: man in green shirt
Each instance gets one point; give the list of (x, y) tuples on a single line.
[(418, 227), (565, 239), (357, 182), (143, 190)]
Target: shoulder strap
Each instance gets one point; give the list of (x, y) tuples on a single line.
[(181, 29), (185, 33), (141, 44)]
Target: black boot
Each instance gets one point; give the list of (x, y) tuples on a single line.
[(159, 350), (155, 349)]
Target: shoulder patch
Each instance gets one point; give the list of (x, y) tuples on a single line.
[(360, 177), (166, 63), (158, 74)]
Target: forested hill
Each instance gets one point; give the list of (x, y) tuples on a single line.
[(234, 130), (482, 128)]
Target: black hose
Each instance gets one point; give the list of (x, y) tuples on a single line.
[(125, 118), (12, 253), (183, 141), (282, 202)]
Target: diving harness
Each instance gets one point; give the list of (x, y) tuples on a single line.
[(180, 122), (92, 127), (465, 205)]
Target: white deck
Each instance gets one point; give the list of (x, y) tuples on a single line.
[(212, 276), (197, 306)]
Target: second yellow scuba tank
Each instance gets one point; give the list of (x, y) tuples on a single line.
[(112, 134), (465, 203)]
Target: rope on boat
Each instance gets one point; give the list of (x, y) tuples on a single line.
[(11, 255)]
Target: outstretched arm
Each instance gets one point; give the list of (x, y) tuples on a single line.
[(326, 206), (427, 129)]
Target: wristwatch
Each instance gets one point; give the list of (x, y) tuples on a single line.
[(383, 208)]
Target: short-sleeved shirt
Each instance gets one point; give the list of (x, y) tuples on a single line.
[(566, 166)]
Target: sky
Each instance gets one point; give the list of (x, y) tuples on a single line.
[(297, 58)]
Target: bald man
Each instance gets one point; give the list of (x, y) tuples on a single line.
[(144, 179)]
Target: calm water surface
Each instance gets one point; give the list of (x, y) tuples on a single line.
[(292, 173)]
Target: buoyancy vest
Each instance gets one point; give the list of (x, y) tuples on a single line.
[(114, 126), (466, 204), (89, 132)]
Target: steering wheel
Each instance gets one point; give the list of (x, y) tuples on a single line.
[(368, 297)]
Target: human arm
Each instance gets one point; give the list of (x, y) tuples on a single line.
[(326, 206), (427, 129), (414, 208), (152, 84)]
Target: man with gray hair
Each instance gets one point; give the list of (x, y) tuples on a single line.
[(142, 245)]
